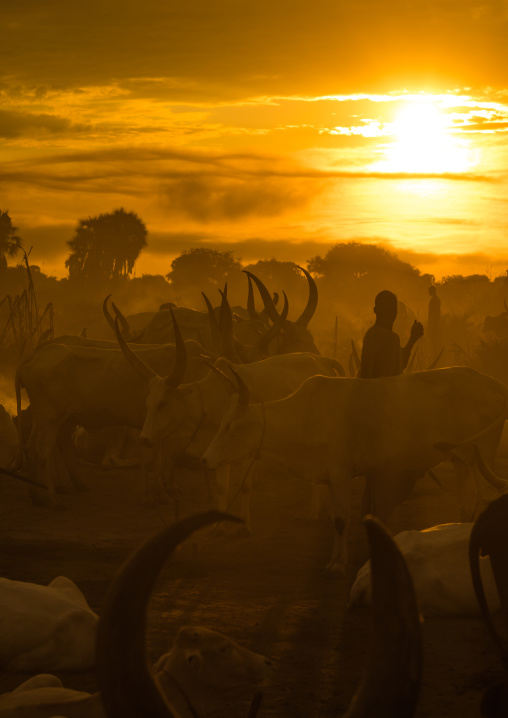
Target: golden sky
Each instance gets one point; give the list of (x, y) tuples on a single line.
[(271, 127)]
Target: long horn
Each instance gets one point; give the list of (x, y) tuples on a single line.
[(180, 367), (127, 685), (139, 366), (309, 310), (124, 324), (489, 537), (391, 680), (214, 325), (272, 332), (251, 307), (243, 389), (273, 314), (108, 316), (228, 346)]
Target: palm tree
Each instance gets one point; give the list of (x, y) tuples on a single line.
[(9, 241), (106, 246)]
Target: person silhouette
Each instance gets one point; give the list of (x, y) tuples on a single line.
[(434, 321), (382, 354)]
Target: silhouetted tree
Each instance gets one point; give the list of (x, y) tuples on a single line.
[(356, 261), (106, 246), (9, 241), (204, 269)]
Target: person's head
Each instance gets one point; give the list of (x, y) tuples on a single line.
[(385, 306), (432, 290)]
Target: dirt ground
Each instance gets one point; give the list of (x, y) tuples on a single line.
[(266, 591)]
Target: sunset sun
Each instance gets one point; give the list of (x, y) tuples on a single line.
[(423, 142)]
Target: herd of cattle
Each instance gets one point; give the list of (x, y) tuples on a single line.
[(229, 388)]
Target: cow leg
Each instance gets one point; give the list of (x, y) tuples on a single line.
[(469, 505), (65, 447), (245, 494), (41, 451), (340, 493), (221, 487)]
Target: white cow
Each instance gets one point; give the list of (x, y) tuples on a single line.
[(438, 561), (204, 668), (396, 428), (45, 628)]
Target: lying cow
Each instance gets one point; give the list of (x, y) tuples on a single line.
[(203, 667), (438, 560), (45, 628)]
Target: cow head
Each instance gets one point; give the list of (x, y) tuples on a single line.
[(241, 430)]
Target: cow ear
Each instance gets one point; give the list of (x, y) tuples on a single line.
[(194, 659)]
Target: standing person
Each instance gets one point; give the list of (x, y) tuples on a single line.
[(434, 322), (382, 354)]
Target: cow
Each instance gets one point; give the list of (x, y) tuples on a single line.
[(191, 412), (395, 428), (294, 335), (438, 560), (45, 628), (389, 686), (69, 385)]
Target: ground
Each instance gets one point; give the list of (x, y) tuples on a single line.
[(266, 591)]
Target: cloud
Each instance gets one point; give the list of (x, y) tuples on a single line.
[(20, 124), (215, 199), (258, 46)]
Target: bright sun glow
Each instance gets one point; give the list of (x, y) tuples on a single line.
[(424, 142)]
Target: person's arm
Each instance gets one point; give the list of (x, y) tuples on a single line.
[(405, 352)]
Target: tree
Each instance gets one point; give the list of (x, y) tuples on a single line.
[(204, 269), (9, 241), (106, 246)]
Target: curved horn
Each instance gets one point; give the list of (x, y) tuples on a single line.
[(309, 310), (222, 308), (273, 314), (139, 366), (228, 346), (391, 680), (251, 307), (489, 537), (214, 325), (180, 367), (108, 316), (127, 686), (242, 388), (124, 324), (272, 332)]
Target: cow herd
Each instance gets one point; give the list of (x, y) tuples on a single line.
[(229, 388)]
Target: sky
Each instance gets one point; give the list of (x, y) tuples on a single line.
[(272, 128)]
